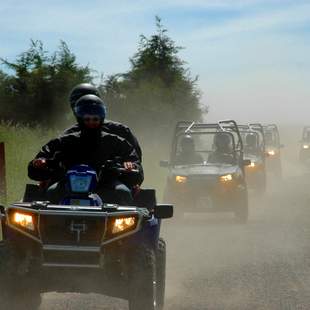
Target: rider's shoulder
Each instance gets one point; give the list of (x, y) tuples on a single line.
[(73, 129), (111, 137), (74, 135), (114, 125)]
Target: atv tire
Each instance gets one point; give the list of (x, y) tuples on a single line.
[(161, 273), (142, 279)]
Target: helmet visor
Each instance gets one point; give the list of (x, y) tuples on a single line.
[(87, 110)]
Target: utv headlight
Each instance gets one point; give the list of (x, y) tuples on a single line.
[(123, 224), (180, 179), (23, 220), (305, 146), (252, 165), (271, 152), (226, 178)]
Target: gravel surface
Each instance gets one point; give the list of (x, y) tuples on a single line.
[(214, 263)]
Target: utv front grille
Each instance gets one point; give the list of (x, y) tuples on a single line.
[(203, 182), (72, 230)]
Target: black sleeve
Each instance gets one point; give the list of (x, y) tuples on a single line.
[(124, 132), (48, 151), (134, 142)]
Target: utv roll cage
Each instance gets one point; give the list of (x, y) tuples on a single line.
[(275, 130), (192, 128), (305, 130), (258, 130)]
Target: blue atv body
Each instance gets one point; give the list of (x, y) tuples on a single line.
[(82, 244)]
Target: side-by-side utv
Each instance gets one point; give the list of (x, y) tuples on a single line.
[(82, 244), (304, 153), (254, 151), (273, 149), (206, 169)]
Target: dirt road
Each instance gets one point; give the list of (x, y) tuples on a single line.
[(214, 263)]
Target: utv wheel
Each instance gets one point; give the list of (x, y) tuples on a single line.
[(161, 273), (142, 279)]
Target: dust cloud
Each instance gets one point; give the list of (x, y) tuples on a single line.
[(215, 263)]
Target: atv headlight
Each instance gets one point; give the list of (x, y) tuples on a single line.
[(23, 220), (305, 146), (123, 224), (271, 152), (180, 179), (226, 178)]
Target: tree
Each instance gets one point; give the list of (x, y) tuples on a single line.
[(37, 91), (158, 88)]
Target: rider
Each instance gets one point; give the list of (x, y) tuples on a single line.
[(188, 155), (107, 126), (90, 146), (223, 150)]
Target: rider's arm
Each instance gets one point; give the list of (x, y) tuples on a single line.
[(124, 132), (39, 171), (129, 155)]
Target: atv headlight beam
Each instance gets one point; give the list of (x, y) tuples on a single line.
[(23, 220), (123, 224)]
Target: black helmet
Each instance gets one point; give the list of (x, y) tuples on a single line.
[(188, 143), (222, 142), (251, 140), (81, 90), (89, 105)]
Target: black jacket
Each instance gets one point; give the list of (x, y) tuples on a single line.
[(115, 129), (78, 148)]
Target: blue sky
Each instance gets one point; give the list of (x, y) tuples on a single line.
[(252, 56)]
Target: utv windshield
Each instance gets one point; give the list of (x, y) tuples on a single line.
[(306, 135), (204, 148), (270, 138), (252, 143)]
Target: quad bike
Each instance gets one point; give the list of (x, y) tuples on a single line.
[(82, 244)]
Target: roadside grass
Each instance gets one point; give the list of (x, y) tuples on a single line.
[(22, 143)]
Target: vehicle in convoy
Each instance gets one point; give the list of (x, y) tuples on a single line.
[(273, 149), (304, 153), (206, 169), (82, 245), (254, 151)]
